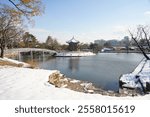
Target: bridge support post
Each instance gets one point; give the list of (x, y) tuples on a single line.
[(19, 56), (31, 53), (43, 55)]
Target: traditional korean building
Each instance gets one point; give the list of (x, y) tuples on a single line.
[(73, 44)]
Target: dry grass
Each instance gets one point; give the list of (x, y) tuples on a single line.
[(3, 63), (10, 55), (32, 63)]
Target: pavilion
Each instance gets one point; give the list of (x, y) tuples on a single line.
[(73, 44)]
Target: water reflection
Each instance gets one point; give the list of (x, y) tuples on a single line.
[(103, 69), (74, 64)]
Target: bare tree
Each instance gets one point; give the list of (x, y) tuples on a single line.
[(146, 34), (52, 43), (9, 29), (142, 34), (27, 8), (12, 13)]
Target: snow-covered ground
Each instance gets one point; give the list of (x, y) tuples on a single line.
[(15, 62), (74, 54), (143, 73), (26, 83)]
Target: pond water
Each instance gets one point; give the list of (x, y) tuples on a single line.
[(103, 69)]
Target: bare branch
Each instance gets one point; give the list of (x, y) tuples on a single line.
[(146, 38), (17, 7), (138, 45)]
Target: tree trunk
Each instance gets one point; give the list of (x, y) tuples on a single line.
[(2, 52), (147, 57)]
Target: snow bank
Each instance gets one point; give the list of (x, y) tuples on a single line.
[(74, 54), (15, 62), (25, 83), (143, 73)]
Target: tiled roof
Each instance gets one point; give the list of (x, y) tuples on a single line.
[(73, 40)]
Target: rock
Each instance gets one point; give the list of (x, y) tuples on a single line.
[(75, 87), (147, 86), (74, 81), (105, 93), (120, 90), (118, 95), (90, 91), (109, 91), (64, 86), (59, 80), (112, 94), (56, 79), (88, 86), (65, 79)]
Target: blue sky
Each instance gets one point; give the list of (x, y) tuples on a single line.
[(89, 20)]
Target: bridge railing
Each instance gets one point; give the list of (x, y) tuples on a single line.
[(28, 50)]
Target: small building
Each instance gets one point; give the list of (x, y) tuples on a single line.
[(73, 44), (107, 49), (100, 42)]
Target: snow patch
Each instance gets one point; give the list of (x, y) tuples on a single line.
[(74, 81), (142, 73), (74, 54)]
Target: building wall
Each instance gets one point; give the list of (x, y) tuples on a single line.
[(73, 46)]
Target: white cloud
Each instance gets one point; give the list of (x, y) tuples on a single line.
[(120, 28), (119, 31), (147, 13)]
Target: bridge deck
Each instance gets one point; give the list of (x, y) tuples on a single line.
[(29, 49)]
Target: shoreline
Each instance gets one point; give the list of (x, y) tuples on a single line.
[(83, 87), (60, 80)]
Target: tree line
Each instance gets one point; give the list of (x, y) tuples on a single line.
[(14, 14)]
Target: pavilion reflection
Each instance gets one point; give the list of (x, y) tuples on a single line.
[(74, 64)]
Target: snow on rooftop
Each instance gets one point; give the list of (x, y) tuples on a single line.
[(73, 40)]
